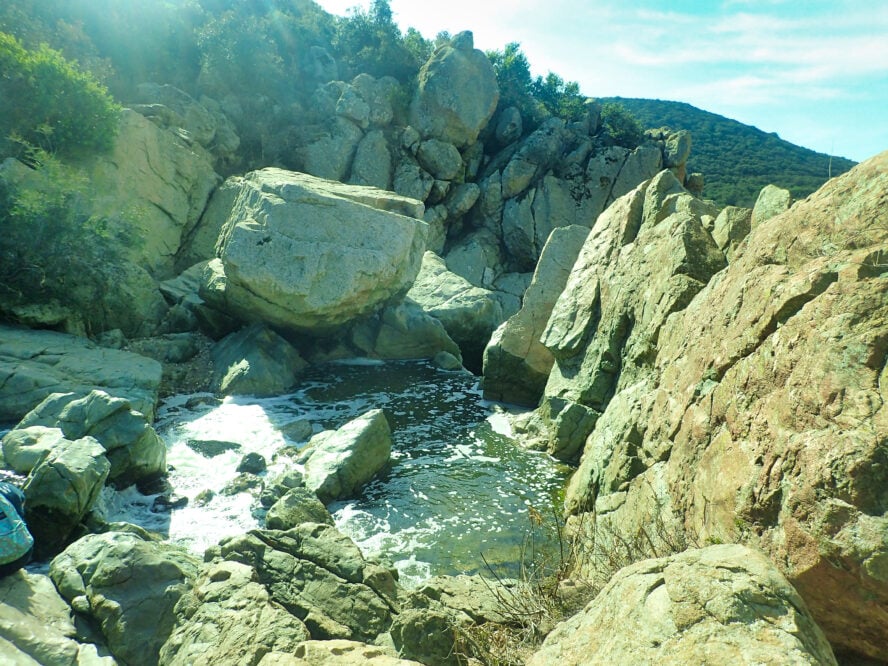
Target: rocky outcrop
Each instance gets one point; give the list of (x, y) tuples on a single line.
[(342, 461), (722, 604), (456, 93), (320, 577), (516, 364), (759, 416), (310, 255), (771, 201), (34, 364), (255, 361), (38, 627), (152, 189), (229, 617), (131, 445), (644, 259), (336, 653)]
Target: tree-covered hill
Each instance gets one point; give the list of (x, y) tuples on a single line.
[(738, 160)]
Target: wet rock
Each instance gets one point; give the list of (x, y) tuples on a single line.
[(297, 506), (210, 448), (255, 361), (252, 463), (344, 460)]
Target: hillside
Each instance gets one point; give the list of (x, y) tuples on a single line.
[(738, 160)]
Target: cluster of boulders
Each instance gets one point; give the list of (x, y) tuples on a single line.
[(722, 369)]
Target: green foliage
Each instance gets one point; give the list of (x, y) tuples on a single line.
[(51, 250), (534, 98), (620, 127), (45, 100), (738, 160), (370, 41)]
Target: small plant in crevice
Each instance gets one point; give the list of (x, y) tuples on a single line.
[(563, 566)]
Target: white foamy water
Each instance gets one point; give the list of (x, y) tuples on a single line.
[(457, 486)]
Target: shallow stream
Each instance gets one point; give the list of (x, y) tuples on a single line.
[(458, 487)]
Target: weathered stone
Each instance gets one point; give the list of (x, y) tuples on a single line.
[(469, 314), (297, 506), (255, 361), (403, 331), (330, 156), (461, 199), (60, 491), (771, 201), (319, 576), (229, 618), (128, 586), (456, 93), (34, 364), (439, 158), (509, 127), (516, 364), (345, 459), (131, 444), (722, 604), (372, 165), (766, 426), (37, 626), (412, 181), (731, 226), (378, 94), (200, 244), (24, 447), (161, 184), (677, 149), (311, 255)]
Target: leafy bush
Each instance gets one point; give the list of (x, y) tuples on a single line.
[(46, 101), (620, 127), (52, 252)]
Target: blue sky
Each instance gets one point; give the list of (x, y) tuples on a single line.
[(814, 71)]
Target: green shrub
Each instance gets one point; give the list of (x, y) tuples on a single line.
[(52, 250), (46, 101), (620, 127)]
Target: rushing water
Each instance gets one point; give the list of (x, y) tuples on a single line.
[(458, 487)]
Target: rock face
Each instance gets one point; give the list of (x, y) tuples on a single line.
[(37, 626), (343, 460), (516, 364), (34, 364), (336, 653), (161, 185), (644, 259), (759, 416), (319, 576), (128, 586), (229, 615), (310, 255), (722, 604), (456, 94)]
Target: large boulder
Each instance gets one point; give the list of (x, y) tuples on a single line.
[(61, 490), (131, 445), (342, 461), (456, 93), (320, 577), (759, 417), (34, 364), (38, 627), (469, 314), (255, 361), (723, 604), (310, 255), (516, 364), (128, 586), (229, 617)]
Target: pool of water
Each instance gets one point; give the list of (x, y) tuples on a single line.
[(458, 492)]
